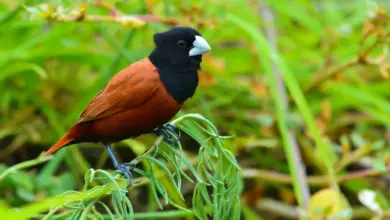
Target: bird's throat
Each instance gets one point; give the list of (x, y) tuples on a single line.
[(180, 79), (180, 85)]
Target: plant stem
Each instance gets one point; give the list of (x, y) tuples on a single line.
[(276, 177), (24, 165), (160, 215), (273, 206), (296, 165), (295, 90), (320, 78), (353, 157), (27, 211)]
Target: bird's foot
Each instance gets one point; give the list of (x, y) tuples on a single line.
[(122, 168), (165, 131)]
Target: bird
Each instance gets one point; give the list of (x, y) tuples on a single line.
[(142, 97)]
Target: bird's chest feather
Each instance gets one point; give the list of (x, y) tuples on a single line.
[(162, 107), (180, 83)]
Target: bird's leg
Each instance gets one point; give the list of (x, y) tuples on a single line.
[(120, 167), (164, 130)]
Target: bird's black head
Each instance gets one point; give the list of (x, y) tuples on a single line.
[(177, 56)]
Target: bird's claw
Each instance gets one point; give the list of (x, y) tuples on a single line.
[(164, 130), (170, 127), (125, 171)]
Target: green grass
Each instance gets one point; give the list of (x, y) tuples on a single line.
[(216, 169)]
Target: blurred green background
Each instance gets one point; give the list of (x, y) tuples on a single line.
[(331, 55)]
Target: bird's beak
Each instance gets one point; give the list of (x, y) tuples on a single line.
[(200, 46)]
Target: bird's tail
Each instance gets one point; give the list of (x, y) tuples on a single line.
[(64, 141)]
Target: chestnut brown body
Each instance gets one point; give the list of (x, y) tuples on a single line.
[(134, 102)]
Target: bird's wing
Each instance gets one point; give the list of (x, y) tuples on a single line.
[(130, 88)]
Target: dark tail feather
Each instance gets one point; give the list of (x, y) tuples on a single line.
[(64, 141)]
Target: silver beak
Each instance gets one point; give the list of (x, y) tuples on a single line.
[(200, 46)]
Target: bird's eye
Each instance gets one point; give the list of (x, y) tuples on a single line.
[(181, 43)]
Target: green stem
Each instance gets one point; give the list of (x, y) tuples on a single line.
[(274, 76), (353, 157), (160, 215), (24, 165), (27, 211), (293, 87)]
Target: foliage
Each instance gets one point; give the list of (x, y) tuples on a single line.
[(216, 170)]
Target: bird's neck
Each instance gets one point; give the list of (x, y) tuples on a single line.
[(179, 78)]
